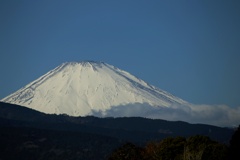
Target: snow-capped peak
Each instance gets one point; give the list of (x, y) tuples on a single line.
[(81, 88)]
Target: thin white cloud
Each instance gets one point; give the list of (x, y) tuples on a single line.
[(219, 115)]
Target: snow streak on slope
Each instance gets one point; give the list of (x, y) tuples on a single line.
[(81, 88)]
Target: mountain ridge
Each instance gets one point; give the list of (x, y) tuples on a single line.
[(30, 134), (136, 129), (81, 88)]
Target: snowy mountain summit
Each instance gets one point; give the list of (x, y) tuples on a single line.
[(87, 88)]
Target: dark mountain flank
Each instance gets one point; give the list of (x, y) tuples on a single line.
[(24, 131)]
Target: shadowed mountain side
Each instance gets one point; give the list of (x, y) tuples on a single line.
[(127, 128), (18, 116)]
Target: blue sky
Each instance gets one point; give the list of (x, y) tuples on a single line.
[(190, 48)]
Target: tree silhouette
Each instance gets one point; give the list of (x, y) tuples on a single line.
[(169, 148), (128, 151), (234, 148), (179, 148)]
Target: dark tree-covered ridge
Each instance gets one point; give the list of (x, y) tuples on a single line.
[(178, 148)]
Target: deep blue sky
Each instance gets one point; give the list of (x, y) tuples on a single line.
[(190, 48)]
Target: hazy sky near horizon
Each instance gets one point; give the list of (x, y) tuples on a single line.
[(190, 48)]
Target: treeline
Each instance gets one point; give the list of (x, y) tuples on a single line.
[(179, 148)]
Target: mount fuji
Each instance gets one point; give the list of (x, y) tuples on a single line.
[(88, 87)]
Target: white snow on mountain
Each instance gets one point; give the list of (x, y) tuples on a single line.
[(99, 89), (78, 88)]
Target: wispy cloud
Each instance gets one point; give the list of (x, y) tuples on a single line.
[(219, 115)]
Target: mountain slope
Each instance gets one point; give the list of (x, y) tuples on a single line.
[(81, 88), (133, 129)]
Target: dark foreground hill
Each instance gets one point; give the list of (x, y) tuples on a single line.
[(41, 136)]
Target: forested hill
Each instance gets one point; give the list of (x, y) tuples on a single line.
[(29, 134), (132, 128)]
